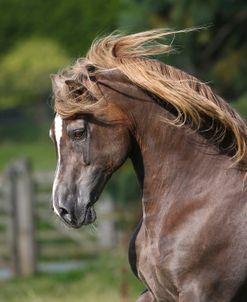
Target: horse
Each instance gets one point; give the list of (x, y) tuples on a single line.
[(188, 149)]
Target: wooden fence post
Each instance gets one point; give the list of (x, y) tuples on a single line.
[(25, 218), (22, 239), (10, 201), (106, 226)]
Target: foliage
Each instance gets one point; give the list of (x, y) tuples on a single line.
[(216, 53), (241, 105), (28, 58), (73, 24), (24, 71)]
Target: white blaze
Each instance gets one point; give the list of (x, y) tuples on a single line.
[(58, 129), (50, 134)]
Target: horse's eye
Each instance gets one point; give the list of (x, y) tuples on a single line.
[(79, 134)]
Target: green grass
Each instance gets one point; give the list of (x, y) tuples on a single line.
[(105, 279), (41, 153), (26, 137)]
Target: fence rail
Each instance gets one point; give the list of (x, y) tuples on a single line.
[(30, 232)]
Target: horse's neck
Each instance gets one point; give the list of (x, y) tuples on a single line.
[(174, 162)]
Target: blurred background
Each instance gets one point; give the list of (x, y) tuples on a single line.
[(41, 259)]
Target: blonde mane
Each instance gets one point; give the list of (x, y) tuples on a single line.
[(193, 101)]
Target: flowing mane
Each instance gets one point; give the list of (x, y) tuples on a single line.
[(193, 101)]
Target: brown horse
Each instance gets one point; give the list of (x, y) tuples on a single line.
[(188, 148)]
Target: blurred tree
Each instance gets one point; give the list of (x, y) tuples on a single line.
[(217, 53), (241, 105), (24, 72), (72, 23)]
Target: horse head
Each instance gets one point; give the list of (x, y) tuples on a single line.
[(89, 150)]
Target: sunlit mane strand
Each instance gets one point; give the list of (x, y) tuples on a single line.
[(193, 101)]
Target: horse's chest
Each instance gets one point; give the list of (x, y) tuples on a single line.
[(152, 268)]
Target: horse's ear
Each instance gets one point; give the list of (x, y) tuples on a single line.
[(57, 83)]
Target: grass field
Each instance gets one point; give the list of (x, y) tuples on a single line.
[(105, 279), (41, 153), (29, 139)]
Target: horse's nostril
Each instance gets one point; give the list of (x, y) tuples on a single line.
[(65, 215), (63, 211)]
